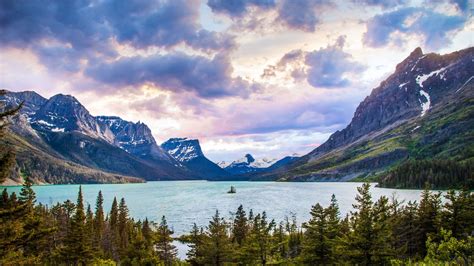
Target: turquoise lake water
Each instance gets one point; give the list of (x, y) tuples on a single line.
[(187, 202)]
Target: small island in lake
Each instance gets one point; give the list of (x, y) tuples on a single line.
[(232, 190)]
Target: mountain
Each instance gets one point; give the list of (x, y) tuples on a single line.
[(134, 138), (64, 113), (63, 129), (283, 162), (423, 110), (189, 153), (248, 164)]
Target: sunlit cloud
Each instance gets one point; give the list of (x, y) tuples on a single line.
[(267, 77)]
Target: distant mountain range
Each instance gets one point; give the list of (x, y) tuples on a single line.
[(59, 141), (248, 164), (424, 110)]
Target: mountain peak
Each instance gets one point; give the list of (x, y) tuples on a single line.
[(249, 158), (183, 149), (413, 58), (416, 53)]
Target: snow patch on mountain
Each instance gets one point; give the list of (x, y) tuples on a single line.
[(183, 149), (425, 106), (420, 79)]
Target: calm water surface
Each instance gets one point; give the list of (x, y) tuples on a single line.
[(187, 202)]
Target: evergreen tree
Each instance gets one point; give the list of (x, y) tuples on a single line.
[(22, 231), (7, 154), (360, 242), (164, 243), (112, 235), (123, 227), (195, 242), (77, 246), (260, 238), (316, 247), (428, 218), (240, 226), (147, 232), (217, 250), (99, 223)]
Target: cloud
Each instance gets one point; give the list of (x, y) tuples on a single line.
[(62, 33), (328, 66), (238, 8), (208, 78), (435, 28), (160, 23), (301, 14), (381, 3), (461, 5), (290, 60)]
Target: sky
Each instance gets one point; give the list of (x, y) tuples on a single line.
[(266, 77)]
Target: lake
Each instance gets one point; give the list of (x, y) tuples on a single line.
[(187, 202)]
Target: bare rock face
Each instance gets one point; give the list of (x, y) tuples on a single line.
[(63, 128), (188, 152), (423, 110), (419, 83)]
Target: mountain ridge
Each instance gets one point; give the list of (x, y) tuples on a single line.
[(380, 134)]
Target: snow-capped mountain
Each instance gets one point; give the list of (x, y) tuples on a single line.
[(248, 164), (135, 138), (189, 153), (66, 130), (422, 111), (64, 113), (183, 149)]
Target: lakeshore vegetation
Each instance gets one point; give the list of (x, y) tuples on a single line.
[(378, 232)]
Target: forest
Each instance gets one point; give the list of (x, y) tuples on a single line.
[(439, 174), (378, 232)]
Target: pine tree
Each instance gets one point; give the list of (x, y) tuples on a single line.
[(78, 249), (316, 247), (99, 223), (147, 232), (360, 242), (217, 250), (428, 215), (260, 238), (7, 154), (195, 242), (240, 227), (22, 231), (123, 227), (112, 234), (166, 250), (295, 238)]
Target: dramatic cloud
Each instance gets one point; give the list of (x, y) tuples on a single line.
[(64, 32), (241, 75), (238, 8), (436, 28), (301, 14), (208, 78), (160, 23), (328, 66)]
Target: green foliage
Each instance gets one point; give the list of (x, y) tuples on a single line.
[(378, 232), (7, 154), (439, 174), (166, 250), (449, 249)]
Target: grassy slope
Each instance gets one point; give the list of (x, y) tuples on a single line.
[(446, 132), (45, 167)]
